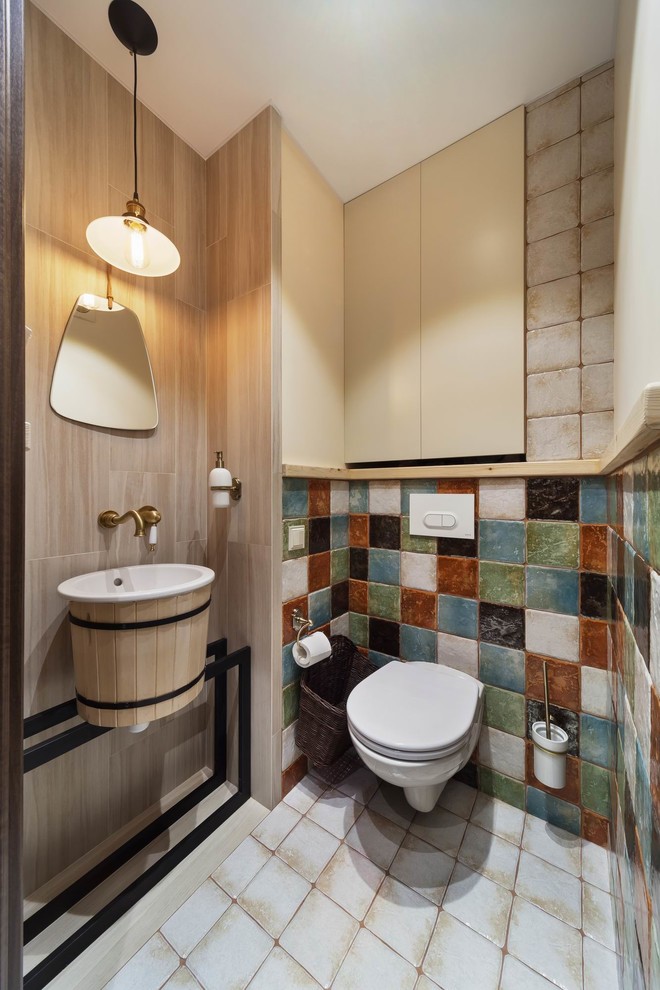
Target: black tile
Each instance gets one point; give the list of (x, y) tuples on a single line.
[(655, 860), (629, 821), (567, 720), (459, 548), (384, 636), (502, 624), (319, 534), (339, 598), (619, 558), (642, 610), (593, 595), (359, 563), (468, 775), (553, 498), (385, 532)]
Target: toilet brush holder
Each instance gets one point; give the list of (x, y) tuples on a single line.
[(550, 754)]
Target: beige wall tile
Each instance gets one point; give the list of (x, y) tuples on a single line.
[(130, 490), (596, 71), (192, 552), (553, 393), (553, 212), (553, 303), (598, 147), (190, 224), (598, 244), (553, 348), (553, 167), (597, 195), (598, 340), (597, 430), (191, 446), (598, 292), (598, 387), (554, 257), (216, 196), (248, 207), (598, 98), (553, 121), (552, 95), (553, 438)]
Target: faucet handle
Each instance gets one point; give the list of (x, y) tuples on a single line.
[(150, 515)]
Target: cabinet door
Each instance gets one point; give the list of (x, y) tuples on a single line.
[(382, 325), (473, 284)]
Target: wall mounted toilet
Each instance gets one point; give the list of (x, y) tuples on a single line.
[(415, 725)]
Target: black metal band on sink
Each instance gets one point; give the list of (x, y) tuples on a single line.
[(146, 624), (116, 706)]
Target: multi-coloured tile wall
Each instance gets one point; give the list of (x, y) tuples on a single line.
[(570, 254)]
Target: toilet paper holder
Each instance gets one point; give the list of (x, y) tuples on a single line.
[(300, 624)]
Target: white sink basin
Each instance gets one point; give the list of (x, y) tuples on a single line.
[(138, 583)]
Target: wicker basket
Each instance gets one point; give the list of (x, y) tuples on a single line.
[(322, 730)]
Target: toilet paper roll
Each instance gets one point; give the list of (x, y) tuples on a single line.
[(311, 649)]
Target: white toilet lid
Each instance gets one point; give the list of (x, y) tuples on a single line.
[(417, 709)]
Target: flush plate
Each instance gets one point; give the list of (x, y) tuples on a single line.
[(442, 515)]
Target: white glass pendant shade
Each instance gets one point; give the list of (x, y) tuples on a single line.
[(133, 246)]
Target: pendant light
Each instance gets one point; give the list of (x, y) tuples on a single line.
[(129, 242)]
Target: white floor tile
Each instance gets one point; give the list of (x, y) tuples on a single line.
[(182, 980), (555, 891), (598, 915), (370, 965), (319, 937), (403, 919), (425, 984), (361, 785), (515, 976), (281, 972), (459, 959), (546, 945), (244, 863), (308, 848), (195, 916), (335, 812), (601, 967), (376, 837), (479, 903), (441, 828), (423, 867), (351, 881), (390, 802), (229, 956), (304, 794), (458, 797), (554, 845), (488, 854), (148, 969), (498, 817), (595, 865), (274, 896), (276, 825)]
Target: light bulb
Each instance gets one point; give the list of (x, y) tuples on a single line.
[(136, 249)]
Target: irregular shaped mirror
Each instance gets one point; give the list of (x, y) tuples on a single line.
[(103, 375)]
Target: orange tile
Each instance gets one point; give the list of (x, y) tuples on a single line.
[(593, 548), (288, 632), (419, 608), (358, 596), (358, 528), (593, 643), (563, 682), (319, 497), (595, 828), (458, 576), (293, 775), (460, 486), (571, 792), (318, 571)]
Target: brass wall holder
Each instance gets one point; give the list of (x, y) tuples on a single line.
[(235, 489)]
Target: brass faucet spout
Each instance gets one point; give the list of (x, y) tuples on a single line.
[(145, 516)]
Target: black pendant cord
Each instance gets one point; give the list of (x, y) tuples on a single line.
[(135, 154)]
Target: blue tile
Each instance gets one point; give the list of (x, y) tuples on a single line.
[(593, 500), (643, 812), (295, 499), (290, 669), (553, 810), (597, 740), (458, 616), (409, 488), (338, 532), (358, 496), (384, 566), (502, 667), (320, 607), (380, 659), (500, 540), (553, 590), (418, 644)]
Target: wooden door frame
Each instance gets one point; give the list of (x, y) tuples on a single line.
[(12, 486)]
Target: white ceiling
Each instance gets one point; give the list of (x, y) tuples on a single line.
[(366, 87)]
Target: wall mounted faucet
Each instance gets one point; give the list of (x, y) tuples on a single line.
[(143, 517)]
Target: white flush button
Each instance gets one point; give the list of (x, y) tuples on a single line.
[(296, 537), (442, 515)]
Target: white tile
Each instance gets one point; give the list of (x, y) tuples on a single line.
[(597, 244), (553, 212), (244, 863), (340, 626), (553, 121), (553, 393), (479, 903), (376, 837), (308, 848), (459, 959), (425, 984), (182, 980), (597, 147), (402, 918), (281, 972), (546, 944), (515, 976), (195, 916), (596, 694), (597, 430), (419, 570), (390, 802), (601, 967), (370, 965), (319, 937), (385, 497), (642, 712), (595, 865), (598, 912), (597, 98), (597, 387), (553, 438), (360, 786), (488, 854), (655, 630), (148, 968), (290, 751), (458, 797), (441, 828), (553, 167), (335, 812), (552, 634), (598, 339), (422, 867), (459, 653), (552, 844), (502, 752), (232, 952), (339, 498), (351, 881), (553, 303), (549, 349), (498, 817), (274, 896), (502, 498), (554, 257), (305, 793), (276, 825), (555, 891), (294, 578), (597, 196)]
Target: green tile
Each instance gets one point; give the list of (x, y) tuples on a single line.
[(504, 710), (553, 544), (503, 584), (339, 565), (290, 702), (385, 601), (417, 544), (596, 789), (653, 463), (291, 554), (358, 628), (500, 786)]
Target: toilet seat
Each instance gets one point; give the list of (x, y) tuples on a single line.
[(414, 711)]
